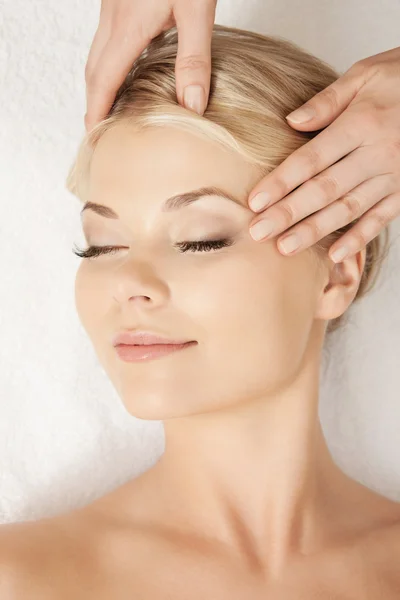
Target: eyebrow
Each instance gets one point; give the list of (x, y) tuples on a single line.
[(171, 204)]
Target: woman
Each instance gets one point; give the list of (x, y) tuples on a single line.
[(246, 501), (359, 111)]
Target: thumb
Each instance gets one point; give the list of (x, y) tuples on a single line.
[(194, 23), (328, 104)]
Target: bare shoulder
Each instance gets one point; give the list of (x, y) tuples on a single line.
[(19, 553), (42, 559), (85, 553), (385, 552), (8, 567), (380, 552)]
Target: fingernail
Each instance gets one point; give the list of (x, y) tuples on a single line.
[(260, 200), (290, 243), (193, 97), (302, 115), (261, 229), (339, 254)]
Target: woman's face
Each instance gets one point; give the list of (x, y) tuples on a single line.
[(250, 309)]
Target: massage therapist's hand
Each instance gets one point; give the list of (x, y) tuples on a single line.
[(126, 27), (351, 169)]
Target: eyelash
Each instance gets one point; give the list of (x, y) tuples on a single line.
[(199, 246)]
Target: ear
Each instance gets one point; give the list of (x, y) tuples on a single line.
[(340, 286)]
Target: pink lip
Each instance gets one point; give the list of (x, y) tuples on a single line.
[(130, 353), (146, 338), (145, 345)]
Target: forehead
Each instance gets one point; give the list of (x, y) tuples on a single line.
[(165, 161)]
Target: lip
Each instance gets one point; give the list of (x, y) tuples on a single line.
[(145, 352), (145, 338)]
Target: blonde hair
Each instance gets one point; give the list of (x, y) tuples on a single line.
[(256, 81)]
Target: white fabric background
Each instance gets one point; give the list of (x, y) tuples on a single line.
[(65, 437)]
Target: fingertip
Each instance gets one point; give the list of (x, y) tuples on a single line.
[(88, 123), (194, 98), (302, 115)]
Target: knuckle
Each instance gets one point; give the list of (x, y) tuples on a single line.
[(191, 62), (313, 160), (359, 68), (282, 188), (362, 238), (288, 214), (381, 219), (331, 97), (328, 185), (365, 233), (315, 230), (353, 203)]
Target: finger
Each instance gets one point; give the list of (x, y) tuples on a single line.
[(319, 192), (169, 24), (342, 212), (329, 146), (366, 229), (113, 65), (100, 39), (194, 22), (328, 104)]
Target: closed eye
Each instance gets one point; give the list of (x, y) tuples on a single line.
[(198, 246), (204, 246)]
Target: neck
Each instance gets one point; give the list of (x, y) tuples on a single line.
[(258, 477)]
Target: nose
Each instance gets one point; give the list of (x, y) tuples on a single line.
[(139, 283), (141, 299)]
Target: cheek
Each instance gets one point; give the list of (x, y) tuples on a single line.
[(90, 300), (257, 314), (80, 292)]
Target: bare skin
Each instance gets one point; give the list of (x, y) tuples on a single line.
[(246, 500), (105, 551), (365, 100)]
